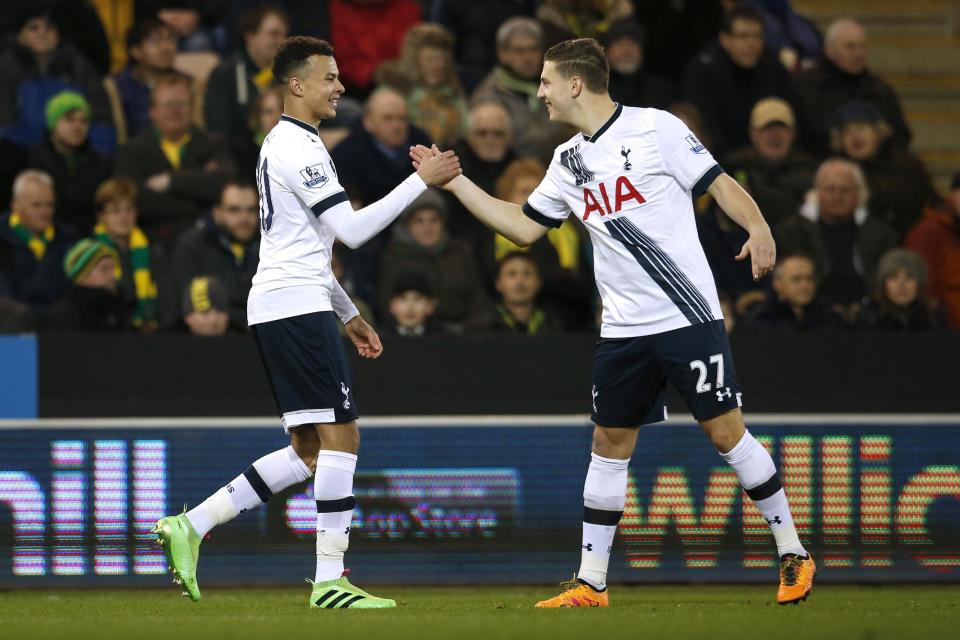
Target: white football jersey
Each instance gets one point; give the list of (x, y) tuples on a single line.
[(297, 182), (631, 184)]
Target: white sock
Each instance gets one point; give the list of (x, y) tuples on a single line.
[(272, 473), (759, 478), (333, 490), (604, 495)]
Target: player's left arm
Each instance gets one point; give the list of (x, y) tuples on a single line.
[(741, 208)]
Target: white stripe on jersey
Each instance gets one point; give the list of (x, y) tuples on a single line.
[(631, 183)]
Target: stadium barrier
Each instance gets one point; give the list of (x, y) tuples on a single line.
[(473, 500)]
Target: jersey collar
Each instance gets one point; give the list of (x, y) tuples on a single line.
[(606, 125), (302, 124)]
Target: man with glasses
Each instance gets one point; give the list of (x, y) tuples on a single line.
[(731, 75), (226, 244), (179, 168)]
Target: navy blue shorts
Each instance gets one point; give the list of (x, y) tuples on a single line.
[(307, 366), (630, 375)]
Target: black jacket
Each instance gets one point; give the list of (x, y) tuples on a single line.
[(32, 282), (775, 315), (75, 178), (367, 172), (87, 310)]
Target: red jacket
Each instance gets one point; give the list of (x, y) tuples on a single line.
[(937, 238), (366, 34)]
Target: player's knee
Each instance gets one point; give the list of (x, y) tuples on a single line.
[(724, 431), (341, 437), (306, 444), (614, 443)]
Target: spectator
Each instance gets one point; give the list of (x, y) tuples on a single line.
[(421, 245), (412, 305), (426, 76), (370, 162), (794, 38), (775, 173), (372, 32), (518, 283), (899, 185), (67, 156), (565, 289), (835, 227), (898, 302), (264, 116), (234, 85), (178, 168), (35, 242), (205, 307), (794, 306), (840, 77), (474, 27), (937, 238), (630, 83), (677, 30), (36, 68), (91, 304), (225, 245), (484, 153), (143, 277), (515, 82), (152, 48), (197, 24), (565, 19), (731, 75)]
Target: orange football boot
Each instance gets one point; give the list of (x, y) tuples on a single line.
[(576, 594), (796, 578)]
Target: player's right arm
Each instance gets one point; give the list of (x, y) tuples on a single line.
[(506, 218)]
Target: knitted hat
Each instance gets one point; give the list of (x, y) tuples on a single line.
[(412, 281), (62, 104), (84, 256), (202, 294)]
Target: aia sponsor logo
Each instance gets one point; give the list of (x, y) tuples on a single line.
[(611, 201)]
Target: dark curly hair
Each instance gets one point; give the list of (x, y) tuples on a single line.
[(293, 54)]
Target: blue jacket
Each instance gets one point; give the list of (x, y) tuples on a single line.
[(32, 282)]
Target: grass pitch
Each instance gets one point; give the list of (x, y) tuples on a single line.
[(490, 613)]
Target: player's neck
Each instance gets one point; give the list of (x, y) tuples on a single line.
[(301, 113), (594, 113)]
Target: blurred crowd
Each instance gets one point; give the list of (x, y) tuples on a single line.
[(130, 129)]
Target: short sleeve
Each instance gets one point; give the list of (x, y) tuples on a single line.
[(684, 156), (312, 176), (546, 205)]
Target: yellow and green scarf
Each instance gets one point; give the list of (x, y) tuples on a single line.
[(36, 243), (144, 287)]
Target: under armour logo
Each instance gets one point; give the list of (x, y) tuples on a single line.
[(723, 393), (345, 390), (595, 393), (346, 531), (588, 546), (322, 532), (776, 520), (626, 158)]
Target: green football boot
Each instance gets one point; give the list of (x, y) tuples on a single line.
[(181, 545), (340, 594)]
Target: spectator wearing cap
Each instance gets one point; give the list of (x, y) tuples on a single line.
[(515, 82), (178, 168), (900, 187), (66, 154), (899, 302), (234, 85), (937, 238), (205, 307), (630, 82), (91, 304), (151, 48), (412, 306), (144, 281), (733, 74), (421, 245), (794, 305), (836, 229), (843, 76), (226, 245), (518, 283), (37, 67), (34, 242), (484, 154), (772, 169)]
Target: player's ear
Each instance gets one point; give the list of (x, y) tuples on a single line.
[(576, 86), (295, 87)]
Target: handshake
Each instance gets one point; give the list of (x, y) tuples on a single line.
[(435, 167)]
